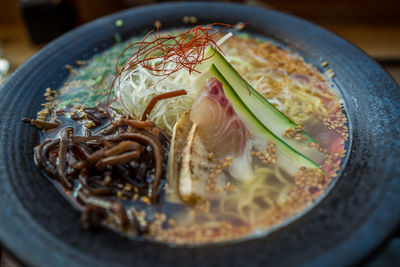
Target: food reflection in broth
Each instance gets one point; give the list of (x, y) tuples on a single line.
[(204, 167)]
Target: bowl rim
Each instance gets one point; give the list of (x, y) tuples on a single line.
[(19, 248)]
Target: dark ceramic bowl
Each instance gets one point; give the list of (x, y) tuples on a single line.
[(40, 228)]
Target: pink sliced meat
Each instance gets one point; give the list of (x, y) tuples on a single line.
[(220, 129)]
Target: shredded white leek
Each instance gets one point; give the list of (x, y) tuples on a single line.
[(136, 88), (223, 39), (139, 86)]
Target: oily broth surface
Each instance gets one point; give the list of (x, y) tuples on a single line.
[(271, 197)]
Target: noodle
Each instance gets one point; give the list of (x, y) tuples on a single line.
[(244, 201), (281, 76)]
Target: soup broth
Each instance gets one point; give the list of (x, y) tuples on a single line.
[(218, 179)]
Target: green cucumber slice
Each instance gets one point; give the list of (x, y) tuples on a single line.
[(260, 107), (287, 158)]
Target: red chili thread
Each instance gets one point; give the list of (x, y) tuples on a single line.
[(186, 50)]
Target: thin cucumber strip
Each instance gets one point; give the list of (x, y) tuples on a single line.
[(288, 158), (260, 107)]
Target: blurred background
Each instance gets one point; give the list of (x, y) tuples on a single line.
[(26, 25), (374, 26)]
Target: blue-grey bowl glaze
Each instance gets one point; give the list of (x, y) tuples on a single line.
[(40, 228)]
